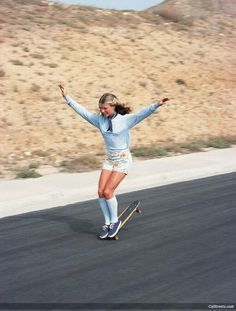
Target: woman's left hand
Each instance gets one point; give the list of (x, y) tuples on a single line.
[(63, 91), (163, 101)]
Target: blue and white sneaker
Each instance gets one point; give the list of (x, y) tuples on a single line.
[(104, 233), (114, 228)]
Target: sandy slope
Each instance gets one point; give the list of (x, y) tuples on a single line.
[(138, 56)]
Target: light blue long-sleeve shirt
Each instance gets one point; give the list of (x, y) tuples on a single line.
[(119, 139)]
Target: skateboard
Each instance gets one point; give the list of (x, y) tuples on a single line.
[(126, 214)]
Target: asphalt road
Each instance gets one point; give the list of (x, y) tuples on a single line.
[(180, 249)]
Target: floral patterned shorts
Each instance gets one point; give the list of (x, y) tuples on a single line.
[(118, 161)]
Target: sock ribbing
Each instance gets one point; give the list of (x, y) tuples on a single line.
[(105, 210), (113, 209)]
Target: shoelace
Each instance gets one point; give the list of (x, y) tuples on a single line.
[(111, 226), (104, 227)]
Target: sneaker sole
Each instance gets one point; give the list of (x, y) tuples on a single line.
[(103, 237)]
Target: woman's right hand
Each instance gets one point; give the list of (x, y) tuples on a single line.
[(163, 101), (63, 91)]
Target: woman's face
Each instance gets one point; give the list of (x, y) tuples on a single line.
[(107, 110)]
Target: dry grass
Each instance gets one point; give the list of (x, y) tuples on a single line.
[(81, 164), (182, 148)]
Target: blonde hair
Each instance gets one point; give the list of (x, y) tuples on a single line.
[(112, 100)]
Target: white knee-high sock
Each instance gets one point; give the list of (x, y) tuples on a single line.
[(113, 209), (105, 210)]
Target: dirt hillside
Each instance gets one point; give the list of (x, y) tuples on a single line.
[(184, 50)]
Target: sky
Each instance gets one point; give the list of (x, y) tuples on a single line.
[(116, 4)]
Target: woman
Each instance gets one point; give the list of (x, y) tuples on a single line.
[(114, 123)]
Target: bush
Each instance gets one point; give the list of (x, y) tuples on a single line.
[(46, 98), (219, 143), (143, 83), (29, 17), (35, 87), (28, 173), (81, 164), (38, 56), (34, 165), (16, 62), (2, 73), (194, 146), (64, 163), (40, 73), (180, 81), (41, 153), (52, 65), (149, 152), (161, 152)]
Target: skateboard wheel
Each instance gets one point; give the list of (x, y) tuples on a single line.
[(138, 211), (116, 237)]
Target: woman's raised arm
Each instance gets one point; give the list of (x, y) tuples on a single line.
[(137, 117), (92, 118)]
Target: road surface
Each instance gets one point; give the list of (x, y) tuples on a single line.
[(181, 249)]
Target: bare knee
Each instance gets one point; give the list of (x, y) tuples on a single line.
[(108, 193), (100, 193)]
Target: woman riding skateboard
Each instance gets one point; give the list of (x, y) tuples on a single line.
[(114, 123)]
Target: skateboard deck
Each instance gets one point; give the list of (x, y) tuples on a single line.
[(126, 214)]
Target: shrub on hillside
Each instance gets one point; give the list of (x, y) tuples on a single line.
[(16, 62), (37, 55), (81, 164), (35, 87), (218, 143), (180, 81), (28, 173), (2, 73), (52, 65)]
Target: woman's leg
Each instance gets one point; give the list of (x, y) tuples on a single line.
[(108, 182), (110, 187), (103, 180), (112, 183), (104, 177)]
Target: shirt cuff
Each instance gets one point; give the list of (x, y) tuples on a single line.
[(154, 106), (67, 99)]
